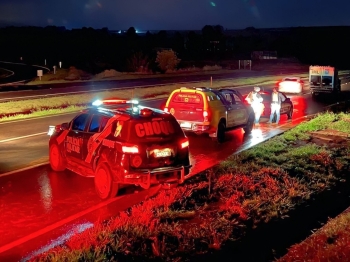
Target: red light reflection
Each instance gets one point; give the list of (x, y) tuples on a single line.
[(300, 106)]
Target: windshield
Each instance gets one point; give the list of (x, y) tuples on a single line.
[(316, 80), (187, 98), (327, 80), (291, 79)]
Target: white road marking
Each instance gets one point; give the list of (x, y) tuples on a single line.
[(22, 137), (38, 117)]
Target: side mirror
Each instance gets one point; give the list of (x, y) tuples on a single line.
[(64, 126)]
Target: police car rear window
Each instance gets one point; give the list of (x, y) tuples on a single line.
[(150, 129), (291, 79), (187, 98)]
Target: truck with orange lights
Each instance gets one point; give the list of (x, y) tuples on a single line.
[(324, 79)]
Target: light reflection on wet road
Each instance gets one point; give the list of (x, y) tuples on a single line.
[(37, 198), (40, 198)]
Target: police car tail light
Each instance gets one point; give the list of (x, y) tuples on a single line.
[(184, 143), (130, 149), (206, 115)]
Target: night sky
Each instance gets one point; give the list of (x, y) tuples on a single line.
[(174, 14)]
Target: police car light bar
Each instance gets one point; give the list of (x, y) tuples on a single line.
[(113, 102)]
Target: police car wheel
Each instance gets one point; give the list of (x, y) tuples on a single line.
[(249, 127), (221, 132), (57, 162), (290, 113), (104, 185)]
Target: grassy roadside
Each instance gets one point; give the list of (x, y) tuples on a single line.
[(12, 110), (330, 243), (75, 75), (253, 189)]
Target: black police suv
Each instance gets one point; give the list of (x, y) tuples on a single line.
[(121, 142)]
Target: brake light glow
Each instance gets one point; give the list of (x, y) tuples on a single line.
[(185, 143), (130, 149), (206, 115)]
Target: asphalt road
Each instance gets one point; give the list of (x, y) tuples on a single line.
[(21, 73), (38, 201), (30, 91), (25, 141)]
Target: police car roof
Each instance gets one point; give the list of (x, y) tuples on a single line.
[(126, 109)]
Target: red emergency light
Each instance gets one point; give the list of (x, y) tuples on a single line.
[(113, 102)]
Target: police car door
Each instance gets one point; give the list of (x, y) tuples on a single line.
[(239, 109), (230, 117), (74, 139), (95, 137), (285, 106)]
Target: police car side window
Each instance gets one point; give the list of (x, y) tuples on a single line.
[(95, 124), (103, 122), (228, 98), (98, 123), (237, 99), (79, 123), (223, 99)]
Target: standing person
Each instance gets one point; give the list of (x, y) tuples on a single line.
[(255, 100), (276, 100)]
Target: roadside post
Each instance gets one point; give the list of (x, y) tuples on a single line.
[(54, 69), (60, 63), (211, 81), (40, 74)]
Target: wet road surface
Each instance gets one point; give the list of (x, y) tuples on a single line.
[(36, 199)]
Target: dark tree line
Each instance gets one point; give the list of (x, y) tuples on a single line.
[(98, 49)]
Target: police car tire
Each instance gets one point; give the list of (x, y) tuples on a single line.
[(290, 113), (221, 132), (59, 163), (111, 188), (249, 127)]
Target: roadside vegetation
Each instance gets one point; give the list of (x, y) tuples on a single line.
[(217, 208), (12, 110), (330, 243)]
